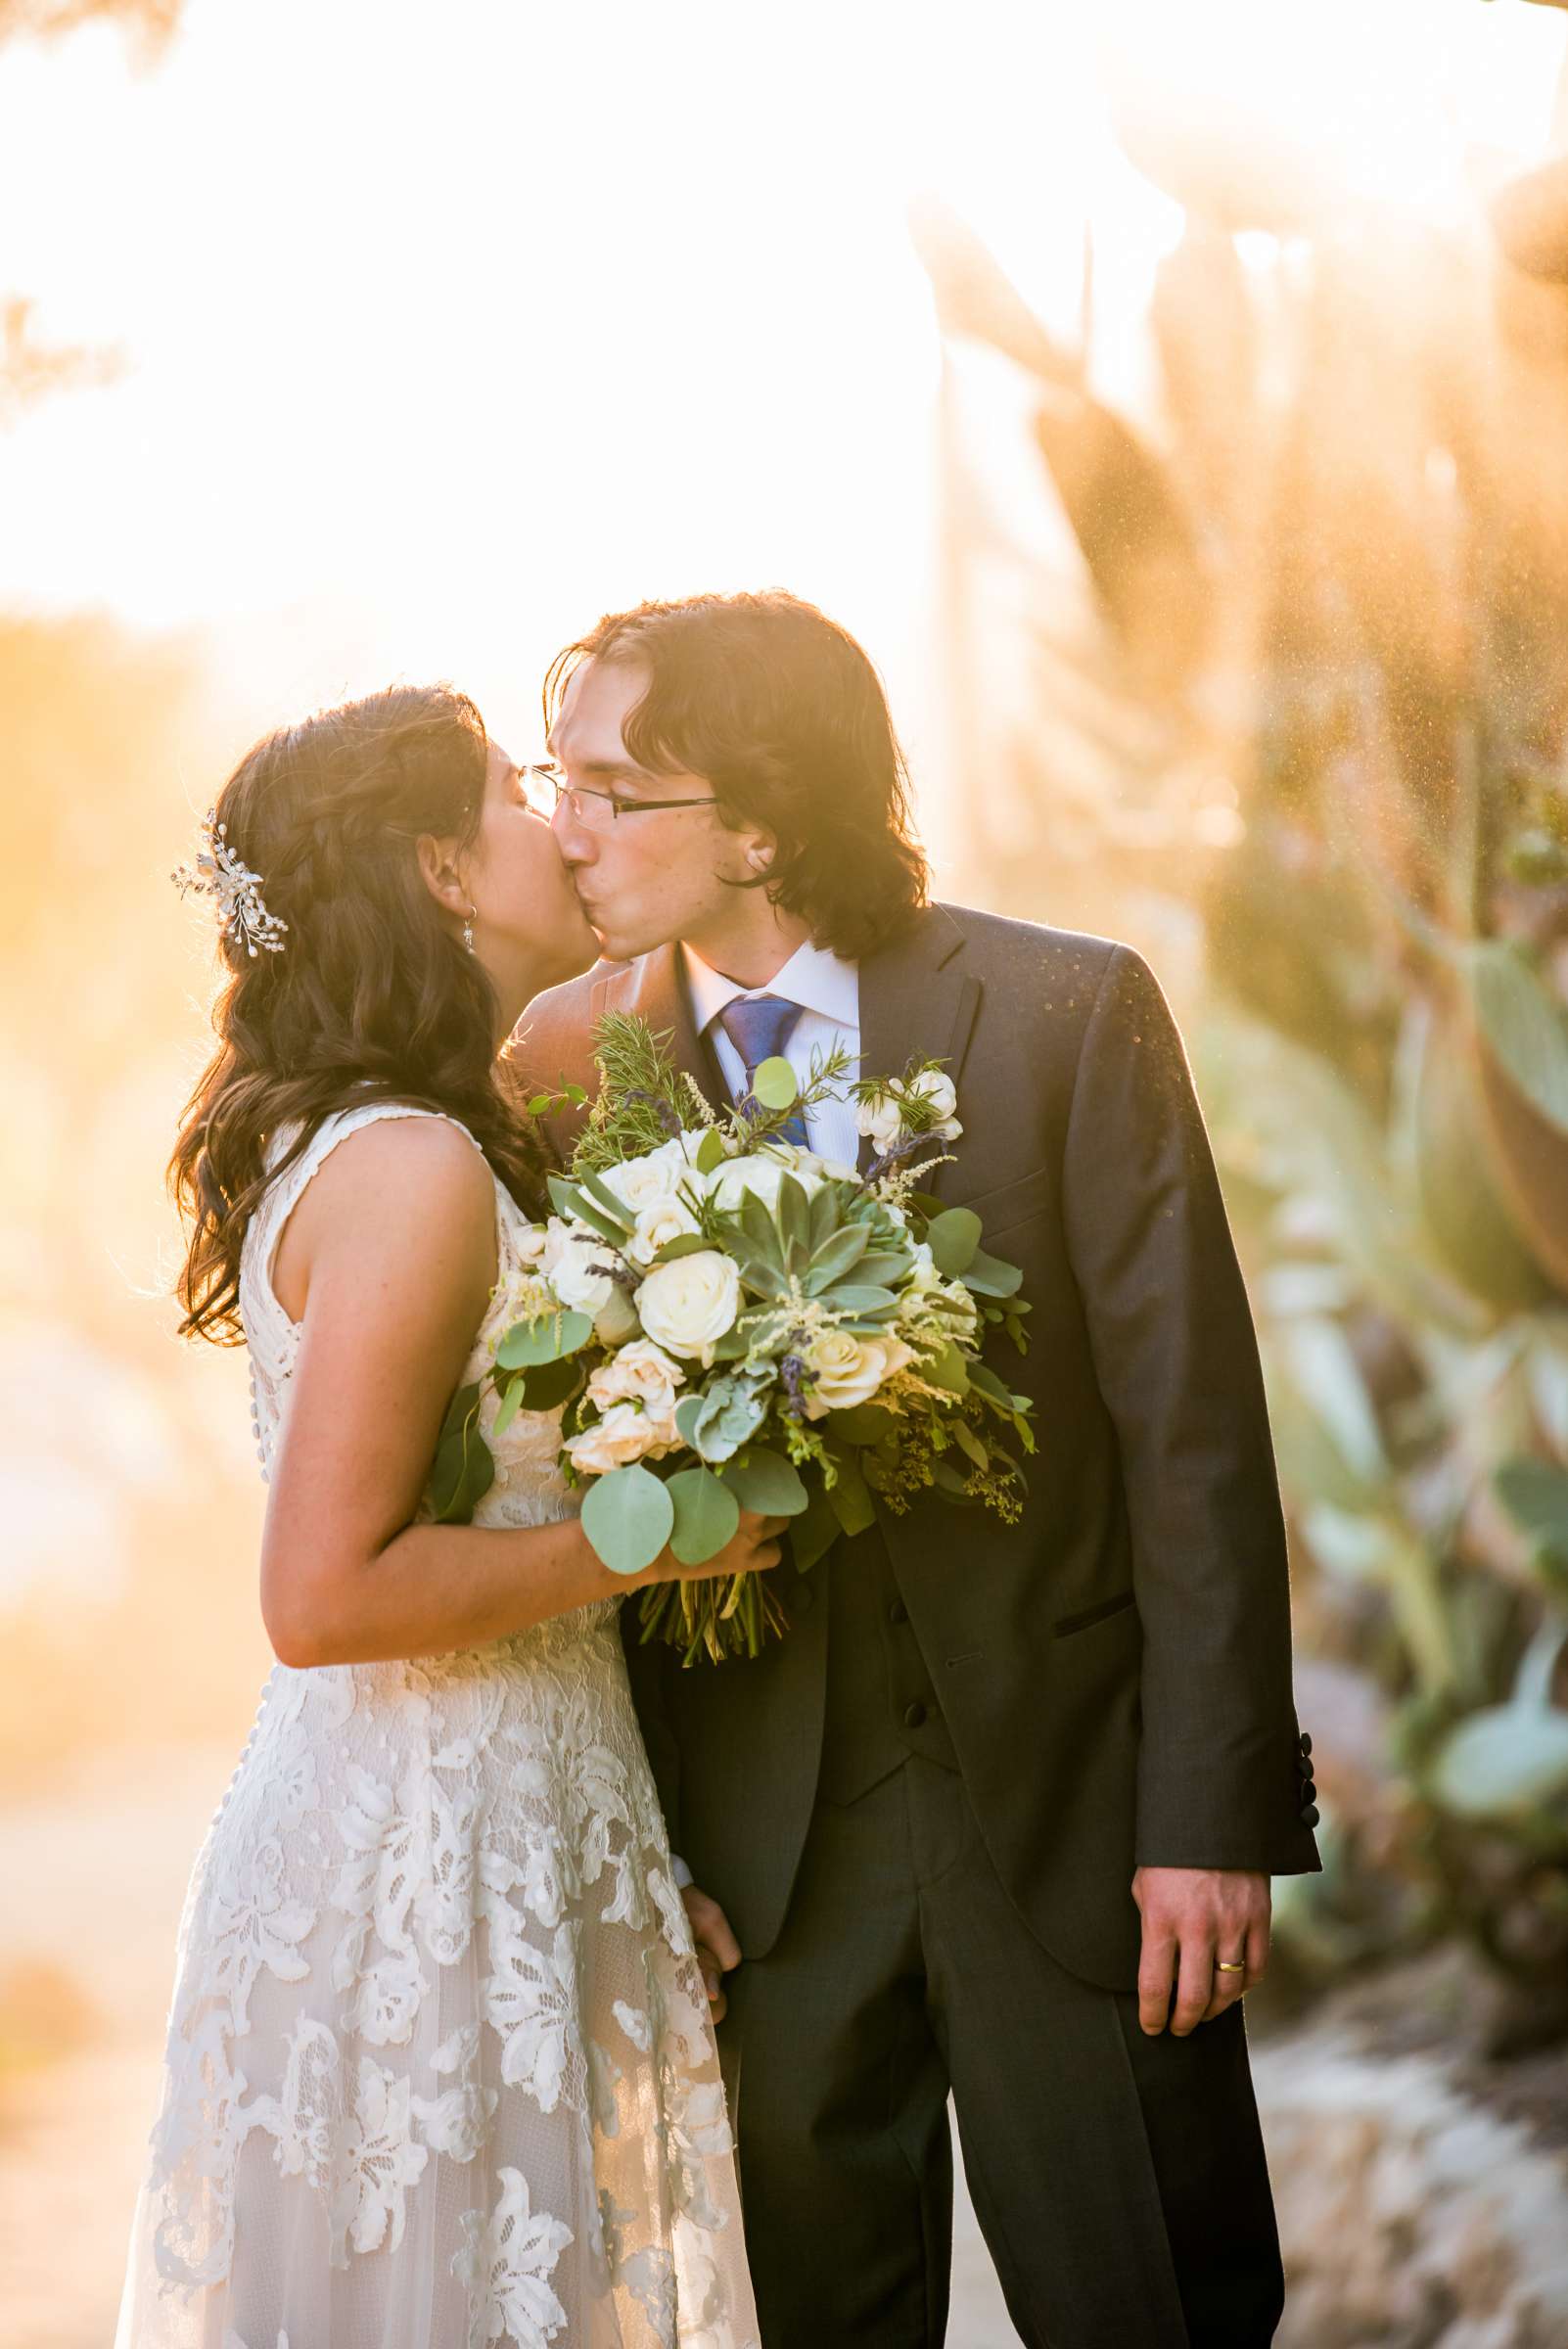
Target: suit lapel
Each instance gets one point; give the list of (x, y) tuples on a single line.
[(655, 990), (918, 1002)]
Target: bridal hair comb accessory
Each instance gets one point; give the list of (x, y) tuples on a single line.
[(221, 872)]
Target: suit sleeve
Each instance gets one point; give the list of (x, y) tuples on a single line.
[(1175, 1356)]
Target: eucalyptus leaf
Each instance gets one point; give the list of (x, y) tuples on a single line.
[(970, 1443), (547, 1384), (775, 1083), (710, 1151), (950, 1484), (464, 1470), (629, 1517), (863, 1423), (850, 1496), (946, 1370), (545, 1340), (510, 1406), (988, 1276), (707, 1514), (984, 1380), (814, 1532), (954, 1237), (763, 1481)]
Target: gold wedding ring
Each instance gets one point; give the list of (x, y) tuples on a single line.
[(1230, 1966)]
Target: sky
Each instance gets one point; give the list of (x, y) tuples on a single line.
[(445, 330)]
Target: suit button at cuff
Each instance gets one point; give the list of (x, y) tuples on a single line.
[(1308, 1791), (1311, 1816)]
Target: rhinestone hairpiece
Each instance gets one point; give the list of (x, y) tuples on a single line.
[(221, 872)]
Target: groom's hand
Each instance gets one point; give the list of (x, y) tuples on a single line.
[(717, 1950), (1192, 1917)]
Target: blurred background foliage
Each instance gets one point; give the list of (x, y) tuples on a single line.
[(1291, 687)]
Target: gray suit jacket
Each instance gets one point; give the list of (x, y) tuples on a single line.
[(1115, 1670)]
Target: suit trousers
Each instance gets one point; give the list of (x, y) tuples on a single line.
[(1119, 2179)]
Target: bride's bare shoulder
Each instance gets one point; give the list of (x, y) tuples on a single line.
[(400, 1191)]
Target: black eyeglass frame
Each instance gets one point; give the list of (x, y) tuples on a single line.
[(618, 806)]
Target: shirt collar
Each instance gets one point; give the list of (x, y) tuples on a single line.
[(816, 979)]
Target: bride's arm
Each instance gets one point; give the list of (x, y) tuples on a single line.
[(388, 1262)]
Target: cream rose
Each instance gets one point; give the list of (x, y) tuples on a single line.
[(666, 1220), (641, 1372), (689, 1305), (847, 1370), (577, 1264), (624, 1435)]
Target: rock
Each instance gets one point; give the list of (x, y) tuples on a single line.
[(1412, 2216)]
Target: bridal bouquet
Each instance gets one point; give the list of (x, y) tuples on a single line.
[(728, 1319)]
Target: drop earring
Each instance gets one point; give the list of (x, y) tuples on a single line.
[(468, 929)]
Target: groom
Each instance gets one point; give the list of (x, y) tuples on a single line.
[(997, 1814)]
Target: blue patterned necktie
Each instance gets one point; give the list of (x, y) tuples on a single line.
[(760, 1027)]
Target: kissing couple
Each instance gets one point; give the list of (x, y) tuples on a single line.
[(533, 1985)]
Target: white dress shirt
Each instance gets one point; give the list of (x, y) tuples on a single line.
[(828, 991)]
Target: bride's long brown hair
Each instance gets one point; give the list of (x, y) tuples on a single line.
[(371, 997)]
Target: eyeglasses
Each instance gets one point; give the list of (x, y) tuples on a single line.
[(545, 787)]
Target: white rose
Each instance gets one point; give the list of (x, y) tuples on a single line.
[(881, 1117), (643, 1373), (941, 1095), (760, 1172), (577, 1265), (847, 1370), (663, 1221), (826, 1170), (924, 1277), (624, 1435), (529, 1240), (689, 1305), (646, 1181)]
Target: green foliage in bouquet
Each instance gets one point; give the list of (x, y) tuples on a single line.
[(823, 1355)]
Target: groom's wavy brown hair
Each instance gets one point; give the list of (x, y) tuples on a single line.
[(781, 711), (370, 999)]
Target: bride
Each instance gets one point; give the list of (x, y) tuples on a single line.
[(439, 2070)]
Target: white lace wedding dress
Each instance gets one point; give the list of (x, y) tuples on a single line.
[(439, 2071)]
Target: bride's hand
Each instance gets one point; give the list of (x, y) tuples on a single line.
[(752, 1548)]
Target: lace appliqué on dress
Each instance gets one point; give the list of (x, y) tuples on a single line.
[(439, 2064)]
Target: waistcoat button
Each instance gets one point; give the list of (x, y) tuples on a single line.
[(914, 1715), (898, 1612)]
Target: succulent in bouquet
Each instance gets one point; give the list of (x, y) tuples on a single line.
[(728, 1320)]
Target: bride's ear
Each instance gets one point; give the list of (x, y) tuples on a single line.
[(437, 869)]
